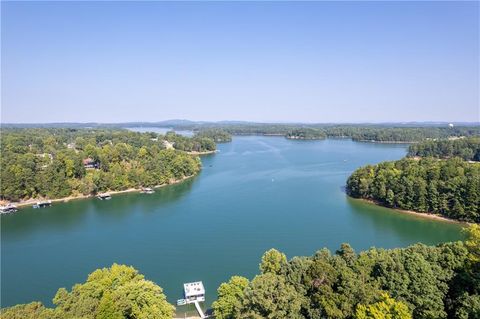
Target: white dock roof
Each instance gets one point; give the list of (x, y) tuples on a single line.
[(193, 289)]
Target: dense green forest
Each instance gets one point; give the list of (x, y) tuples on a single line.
[(422, 282), (191, 144), (448, 187), (56, 163), (358, 132), (217, 135), (306, 134), (388, 132), (416, 282), (465, 148)]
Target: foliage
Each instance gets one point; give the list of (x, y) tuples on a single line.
[(33, 310), (272, 262), (385, 308), (306, 134), (398, 283), (448, 187), (229, 295), (115, 292), (198, 143), (217, 135), (357, 132), (465, 148), (270, 296), (50, 162)]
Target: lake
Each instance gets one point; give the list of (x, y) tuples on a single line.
[(256, 193)]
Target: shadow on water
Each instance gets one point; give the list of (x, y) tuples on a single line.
[(68, 216), (407, 227)]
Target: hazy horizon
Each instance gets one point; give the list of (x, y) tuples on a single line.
[(264, 62)]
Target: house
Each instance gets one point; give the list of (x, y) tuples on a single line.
[(194, 291), (90, 163)]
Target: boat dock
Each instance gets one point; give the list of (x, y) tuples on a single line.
[(194, 292)]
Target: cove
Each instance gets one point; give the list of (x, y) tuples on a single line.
[(256, 193)]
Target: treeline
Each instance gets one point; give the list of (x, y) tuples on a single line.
[(357, 132), (422, 282), (56, 163), (196, 143), (306, 134), (449, 187), (416, 282), (217, 135), (465, 148)]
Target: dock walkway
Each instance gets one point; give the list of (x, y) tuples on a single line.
[(199, 310)]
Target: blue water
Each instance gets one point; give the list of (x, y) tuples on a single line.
[(255, 194)]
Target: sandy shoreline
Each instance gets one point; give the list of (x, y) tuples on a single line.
[(69, 198), (431, 216), (202, 153)]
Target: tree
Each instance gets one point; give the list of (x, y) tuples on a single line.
[(269, 296), (115, 292), (385, 308), (229, 294), (33, 310), (272, 262)]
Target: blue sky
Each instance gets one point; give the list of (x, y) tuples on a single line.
[(257, 61)]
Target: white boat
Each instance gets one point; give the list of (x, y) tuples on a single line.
[(43, 204), (147, 190), (104, 196), (8, 209)]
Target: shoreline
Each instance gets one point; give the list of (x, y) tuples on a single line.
[(431, 216), (202, 153), (67, 199)]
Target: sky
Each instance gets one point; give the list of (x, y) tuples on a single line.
[(313, 62)]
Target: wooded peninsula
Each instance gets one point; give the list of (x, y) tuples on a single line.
[(59, 162), (441, 181)]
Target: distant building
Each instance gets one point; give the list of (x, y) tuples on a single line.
[(450, 125), (194, 291), (90, 163)]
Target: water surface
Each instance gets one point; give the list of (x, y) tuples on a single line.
[(255, 194)]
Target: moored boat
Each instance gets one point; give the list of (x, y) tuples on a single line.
[(104, 196), (147, 190), (8, 209), (43, 204)]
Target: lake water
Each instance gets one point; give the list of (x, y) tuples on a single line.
[(255, 194)]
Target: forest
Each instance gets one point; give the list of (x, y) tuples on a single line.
[(357, 132), (217, 135), (448, 187), (465, 148), (388, 132), (306, 134), (57, 162), (422, 282)]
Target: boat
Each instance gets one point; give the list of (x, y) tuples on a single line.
[(104, 196), (43, 204), (8, 209), (181, 302), (147, 190)]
